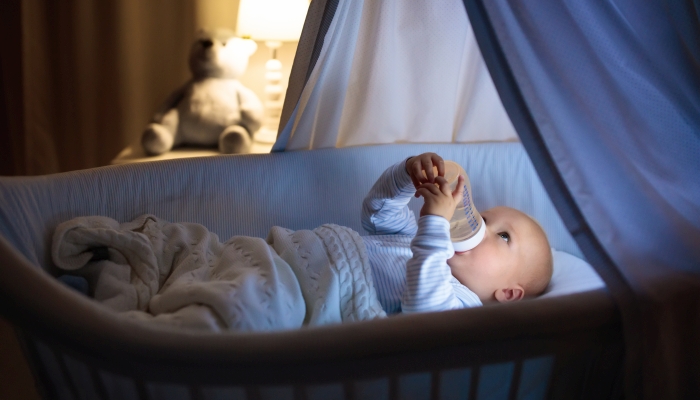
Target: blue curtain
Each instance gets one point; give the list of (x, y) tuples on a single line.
[(605, 96)]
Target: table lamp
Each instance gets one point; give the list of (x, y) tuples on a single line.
[(274, 22)]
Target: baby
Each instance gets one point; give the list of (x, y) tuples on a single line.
[(414, 265), (181, 274)]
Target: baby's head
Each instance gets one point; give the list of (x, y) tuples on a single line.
[(513, 261)]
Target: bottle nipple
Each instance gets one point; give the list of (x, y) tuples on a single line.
[(467, 227)]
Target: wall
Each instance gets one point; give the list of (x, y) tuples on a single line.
[(11, 105)]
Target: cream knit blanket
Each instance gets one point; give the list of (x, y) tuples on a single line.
[(180, 274)]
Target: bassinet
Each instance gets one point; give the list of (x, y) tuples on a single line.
[(545, 348)]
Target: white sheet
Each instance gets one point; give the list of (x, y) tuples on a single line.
[(571, 275)]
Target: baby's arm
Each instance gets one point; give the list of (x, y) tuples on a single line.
[(385, 208), (429, 285)]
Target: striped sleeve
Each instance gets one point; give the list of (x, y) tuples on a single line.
[(385, 208), (430, 285)]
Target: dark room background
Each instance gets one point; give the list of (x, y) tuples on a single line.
[(81, 78)]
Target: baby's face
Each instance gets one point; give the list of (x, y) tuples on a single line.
[(512, 239)]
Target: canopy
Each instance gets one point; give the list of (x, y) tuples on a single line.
[(605, 97), (368, 88)]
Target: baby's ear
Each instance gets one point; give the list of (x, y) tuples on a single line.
[(510, 294)]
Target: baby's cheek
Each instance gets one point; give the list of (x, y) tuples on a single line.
[(458, 262)]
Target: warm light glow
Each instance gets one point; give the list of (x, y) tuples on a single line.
[(272, 20)]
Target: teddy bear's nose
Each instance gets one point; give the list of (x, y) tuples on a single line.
[(207, 43)]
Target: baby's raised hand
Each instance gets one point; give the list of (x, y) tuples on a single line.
[(420, 168), (439, 199)]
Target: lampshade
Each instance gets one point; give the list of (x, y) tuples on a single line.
[(271, 20)]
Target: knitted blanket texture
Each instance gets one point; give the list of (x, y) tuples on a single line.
[(182, 275)]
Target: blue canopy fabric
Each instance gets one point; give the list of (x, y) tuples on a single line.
[(605, 96)]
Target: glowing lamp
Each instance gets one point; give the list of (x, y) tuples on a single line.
[(274, 22)]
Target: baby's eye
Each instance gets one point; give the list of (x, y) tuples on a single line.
[(505, 236)]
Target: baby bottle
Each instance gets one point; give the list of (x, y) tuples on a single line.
[(467, 228)]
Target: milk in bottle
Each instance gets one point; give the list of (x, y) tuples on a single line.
[(467, 228)]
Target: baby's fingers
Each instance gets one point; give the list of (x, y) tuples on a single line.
[(417, 169), (428, 189), (423, 192), (441, 182), (416, 182), (427, 165), (458, 193), (439, 163)]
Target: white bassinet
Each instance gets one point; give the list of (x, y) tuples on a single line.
[(544, 348)]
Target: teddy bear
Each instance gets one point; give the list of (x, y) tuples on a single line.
[(213, 108)]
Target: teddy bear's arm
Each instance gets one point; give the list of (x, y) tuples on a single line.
[(170, 102), (251, 109)]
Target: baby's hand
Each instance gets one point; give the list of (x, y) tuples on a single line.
[(438, 198), (420, 168)]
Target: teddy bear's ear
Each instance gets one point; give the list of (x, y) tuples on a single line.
[(249, 45), (201, 33)]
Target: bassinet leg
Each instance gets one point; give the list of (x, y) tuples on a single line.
[(515, 380), (30, 383), (66, 374), (474, 382), (99, 384)]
